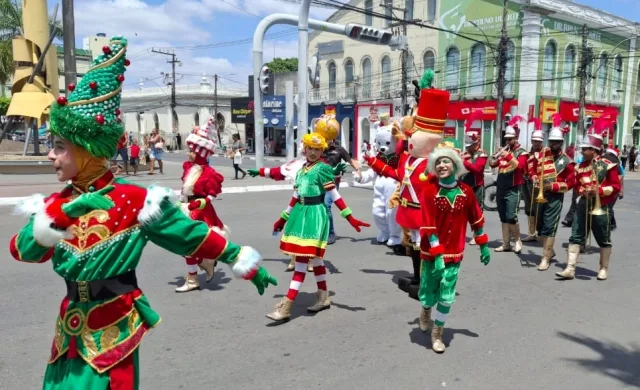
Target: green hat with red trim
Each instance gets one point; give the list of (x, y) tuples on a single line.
[(89, 116)]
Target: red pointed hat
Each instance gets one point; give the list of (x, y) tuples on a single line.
[(431, 113)]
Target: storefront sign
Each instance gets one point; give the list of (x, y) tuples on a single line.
[(547, 109), (461, 110), (273, 109), (242, 110), (570, 111)]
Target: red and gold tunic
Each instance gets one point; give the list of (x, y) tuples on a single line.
[(557, 170), (474, 163), (107, 244), (200, 181), (601, 172), (407, 173), (511, 168), (448, 221)]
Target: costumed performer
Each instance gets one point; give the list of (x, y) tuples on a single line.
[(448, 206), (598, 182), (554, 172), (306, 225), (530, 182), (201, 185), (386, 142), (474, 159), (94, 231), (424, 131), (511, 162)]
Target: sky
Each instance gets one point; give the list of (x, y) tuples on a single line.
[(213, 36)]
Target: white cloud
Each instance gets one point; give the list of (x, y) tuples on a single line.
[(279, 49)]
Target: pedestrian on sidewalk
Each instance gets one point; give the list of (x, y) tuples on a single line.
[(237, 150), (624, 156), (135, 156), (156, 150)]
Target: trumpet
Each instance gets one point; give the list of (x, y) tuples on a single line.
[(499, 152), (597, 208), (540, 199)]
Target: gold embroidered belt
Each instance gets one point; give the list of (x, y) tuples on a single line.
[(98, 290)]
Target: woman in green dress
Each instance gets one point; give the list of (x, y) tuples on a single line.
[(306, 225)]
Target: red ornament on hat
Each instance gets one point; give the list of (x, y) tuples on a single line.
[(120, 77), (93, 85), (100, 119), (106, 50), (71, 87), (62, 100), (117, 112), (127, 62)]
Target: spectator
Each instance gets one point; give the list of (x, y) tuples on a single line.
[(178, 140), (632, 159), (237, 149), (624, 156), (156, 151), (122, 152), (135, 156)]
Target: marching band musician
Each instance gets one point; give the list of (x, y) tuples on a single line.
[(598, 186), (511, 162), (530, 209)]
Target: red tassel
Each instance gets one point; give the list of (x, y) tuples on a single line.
[(72, 353)]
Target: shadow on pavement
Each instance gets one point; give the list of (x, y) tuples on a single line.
[(616, 361), (395, 275), (581, 273), (304, 300), (424, 338), (217, 283)]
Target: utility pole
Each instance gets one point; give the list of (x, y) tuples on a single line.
[(403, 55), (69, 43), (502, 66), (173, 63), (582, 73), (215, 105)]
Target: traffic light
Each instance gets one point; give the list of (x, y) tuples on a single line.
[(368, 34), (265, 73)]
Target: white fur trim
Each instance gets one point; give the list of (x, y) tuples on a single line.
[(42, 231), (224, 232), (248, 259), (290, 169), (367, 176), (192, 178), (155, 196), (335, 195), (446, 152), (267, 172), (199, 142)]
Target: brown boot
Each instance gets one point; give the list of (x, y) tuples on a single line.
[(547, 253), (322, 302), (506, 239), (292, 264), (425, 319), (310, 266), (209, 267), (515, 233), (605, 255), (190, 283), (282, 311), (570, 272), (532, 230), (436, 339)]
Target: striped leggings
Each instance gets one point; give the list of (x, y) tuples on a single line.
[(319, 271)]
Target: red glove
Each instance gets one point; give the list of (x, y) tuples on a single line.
[(199, 204), (356, 224), (279, 225)]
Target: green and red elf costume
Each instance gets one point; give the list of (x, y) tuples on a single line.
[(94, 232), (448, 207), (305, 226), (201, 185)]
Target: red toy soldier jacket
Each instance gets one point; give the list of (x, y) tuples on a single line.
[(202, 182), (603, 173)]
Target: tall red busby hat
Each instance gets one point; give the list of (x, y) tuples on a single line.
[(431, 113)]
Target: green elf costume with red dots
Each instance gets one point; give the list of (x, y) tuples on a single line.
[(94, 231)]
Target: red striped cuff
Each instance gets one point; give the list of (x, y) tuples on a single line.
[(482, 239), (436, 250)]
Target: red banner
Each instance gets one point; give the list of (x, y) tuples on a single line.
[(461, 110), (569, 111), (450, 132)]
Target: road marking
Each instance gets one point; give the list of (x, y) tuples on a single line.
[(12, 201)]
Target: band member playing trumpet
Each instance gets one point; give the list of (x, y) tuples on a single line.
[(554, 176), (528, 190), (511, 162), (598, 186)]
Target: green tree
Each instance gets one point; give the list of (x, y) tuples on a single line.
[(281, 65), (11, 26), (4, 105)]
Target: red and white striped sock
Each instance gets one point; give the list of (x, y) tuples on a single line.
[(320, 272), (192, 264), (298, 277)]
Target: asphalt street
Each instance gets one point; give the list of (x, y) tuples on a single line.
[(511, 326)]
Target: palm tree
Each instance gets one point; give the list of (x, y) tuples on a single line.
[(11, 26)]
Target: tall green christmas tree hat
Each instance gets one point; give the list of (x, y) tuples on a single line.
[(89, 116)]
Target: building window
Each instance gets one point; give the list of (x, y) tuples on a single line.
[(408, 6), (569, 71), (368, 13), (388, 13), (408, 64), (476, 69), (348, 72), (617, 77), (332, 80), (637, 98), (452, 76), (603, 71), (431, 10), (549, 67), (366, 77), (510, 68), (386, 74), (429, 60)]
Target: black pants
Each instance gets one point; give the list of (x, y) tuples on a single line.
[(623, 160), (569, 217), (238, 169), (612, 216)]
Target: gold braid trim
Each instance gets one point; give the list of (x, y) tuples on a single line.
[(98, 99), (111, 60)]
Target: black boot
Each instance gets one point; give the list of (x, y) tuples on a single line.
[(415, 259), (399, 250), (405, 282)]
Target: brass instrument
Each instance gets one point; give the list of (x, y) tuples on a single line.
[(597, 209), (499, 152), (540, 199)]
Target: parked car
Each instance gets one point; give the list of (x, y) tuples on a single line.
[(19, 136)]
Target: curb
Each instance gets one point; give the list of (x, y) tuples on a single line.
[(12, 201)]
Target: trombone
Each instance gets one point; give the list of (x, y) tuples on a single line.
[(597, 206), (540, 199)]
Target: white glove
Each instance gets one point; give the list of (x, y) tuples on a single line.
[(357, 177)]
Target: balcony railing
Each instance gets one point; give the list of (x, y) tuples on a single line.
[(357, 91)]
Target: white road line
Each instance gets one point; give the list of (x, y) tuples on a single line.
[(12, 201)]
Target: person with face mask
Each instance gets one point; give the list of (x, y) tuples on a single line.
[(511, 162), (94, 231), (595, 177), (554, 174), (528, 194), (448, 207), (305, 226), (201, 185)]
